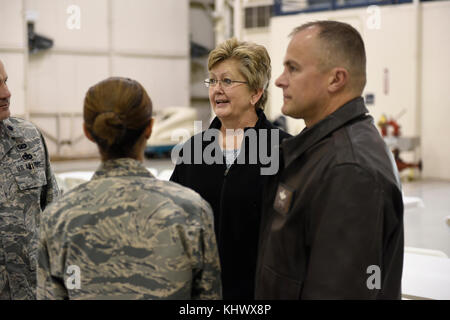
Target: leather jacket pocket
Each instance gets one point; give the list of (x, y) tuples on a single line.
[(276, 286)]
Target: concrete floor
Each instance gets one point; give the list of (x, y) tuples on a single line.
[(425, 227)]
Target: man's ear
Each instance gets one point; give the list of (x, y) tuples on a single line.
[(148, 128), (87, 133), (339, 78), (256, 96)]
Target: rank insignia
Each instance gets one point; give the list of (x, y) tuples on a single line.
[(283, 199)]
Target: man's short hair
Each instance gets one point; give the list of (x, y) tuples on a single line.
[(343, 46)]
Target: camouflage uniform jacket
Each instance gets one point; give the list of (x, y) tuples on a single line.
[(27, 186), (126, 235)]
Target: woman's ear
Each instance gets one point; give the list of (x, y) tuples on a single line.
[(256, 96), (87, 133), (148, 129)]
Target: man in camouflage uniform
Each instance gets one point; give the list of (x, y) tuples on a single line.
[(127, 235), (27, 187)]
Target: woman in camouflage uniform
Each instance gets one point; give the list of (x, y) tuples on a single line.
[(125, 234)]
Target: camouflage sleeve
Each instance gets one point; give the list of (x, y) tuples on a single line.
[(207, 282), (48, 286), (50, 191)]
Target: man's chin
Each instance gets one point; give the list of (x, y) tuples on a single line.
[(285, 110), (289, 112), (4, 114)]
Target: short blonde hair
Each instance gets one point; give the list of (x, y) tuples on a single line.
[(254, 64)]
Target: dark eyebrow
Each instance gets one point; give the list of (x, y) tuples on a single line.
[(290, 63)]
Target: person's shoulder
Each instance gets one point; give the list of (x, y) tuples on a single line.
[(21, 123), (358, 138), (266, 124), (22, 127), (173, 204), (180, 192), (284, 134), (360, 145), (72, 197), (182, 197)]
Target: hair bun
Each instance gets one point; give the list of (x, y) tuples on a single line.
[(109, 127)]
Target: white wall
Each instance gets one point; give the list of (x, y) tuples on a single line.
[(12, 51), (395, 32), (146, 40), (435, 93), (391, 47)]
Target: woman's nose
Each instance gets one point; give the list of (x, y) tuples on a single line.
[(218, 87)]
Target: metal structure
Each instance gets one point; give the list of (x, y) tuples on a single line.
[(228, 19), (288, 7), (58, 117)]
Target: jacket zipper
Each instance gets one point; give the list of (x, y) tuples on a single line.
[(222, 194)]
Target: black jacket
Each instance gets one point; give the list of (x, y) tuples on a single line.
[(235, 196), (333, 214)]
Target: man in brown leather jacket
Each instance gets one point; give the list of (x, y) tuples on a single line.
[(333, 216)]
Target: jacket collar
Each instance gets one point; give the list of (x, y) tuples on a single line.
[(217, 124), (294, 147), (123, 167), (10, 129), (8, 133)]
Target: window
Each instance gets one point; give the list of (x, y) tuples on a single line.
[(257, 17)]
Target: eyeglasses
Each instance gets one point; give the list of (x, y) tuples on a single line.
[(226, 83)]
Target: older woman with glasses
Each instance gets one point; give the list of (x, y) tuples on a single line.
[(237, 152)]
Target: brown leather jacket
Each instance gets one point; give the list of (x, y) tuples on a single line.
[(333, 215)]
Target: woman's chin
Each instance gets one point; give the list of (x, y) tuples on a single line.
[(222, 112)]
